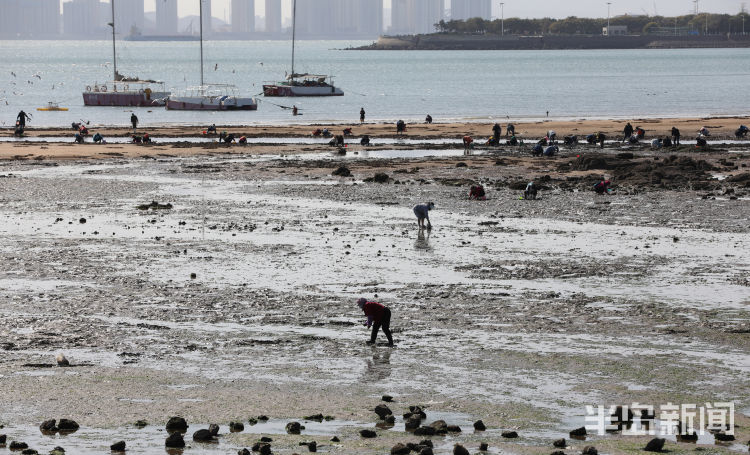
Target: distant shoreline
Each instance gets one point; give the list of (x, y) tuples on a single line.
[(453, 41)]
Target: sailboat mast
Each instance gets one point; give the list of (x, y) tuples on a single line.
[(114, 49), (200, 5), (294, 32)]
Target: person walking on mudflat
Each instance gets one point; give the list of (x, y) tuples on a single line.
[(377, 316), (134, 121), (422, 212)]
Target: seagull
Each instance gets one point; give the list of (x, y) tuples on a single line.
[(14, 74), (216, 67), (37, 75)]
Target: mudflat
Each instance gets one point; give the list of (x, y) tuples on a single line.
[(219, 283)]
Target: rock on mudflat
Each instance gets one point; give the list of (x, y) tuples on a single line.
[(412, 423), (655, 445), (458, 449), (578, 432), (118, 446), (335, 439), (589, 450), (293, 428), (203, 435), (479, 426), (177, 424), (400, 449), (48, 426), (3, 438), (18, 445), (425, 431), (558, 452), (483, 447), (67, 425), (368, 433), (141, 424), (244, 452), (175, 441), (390, 420), (214, 429), (559, 443), (312, 446), (236, 427), (29, 452), (383, 411), (387, 398), (62, 361), (509, 434), (723, 437)]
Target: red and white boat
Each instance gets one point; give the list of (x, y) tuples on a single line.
[(210, 97), (214, 97), (124, 91), (302, 84)]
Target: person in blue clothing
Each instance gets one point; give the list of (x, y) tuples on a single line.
[(422, 212)]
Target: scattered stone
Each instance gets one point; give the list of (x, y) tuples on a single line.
[(426, 451), (483, 447), (400, 449), (67, 425), (425, 431), (560, 443), (177, 424), (18, 445), (293, 428), (461, 164), (203, 435), (263, 418), (3, 438), (589, 450), (82, 221), (214, 429), (453, 429), (155, 206), (193, 276), (62, 361), (723, 437), (312, 446), (48, 426), (57, 451), (382, 411), (118, 446), (236, 427), (368, 434), (440, 426), (264, 449), (655, 445), (578, 432), (141, 424), (426, 443), (244, 452), (412, 423), (458, 449), (175, 441), (252, 421), (390, 420), (315, 417), (381, 177), (387, 398), (266, 439), (479, 426), (342, 171), (29, 452), (558, 452), (335, 439), (509, 434)]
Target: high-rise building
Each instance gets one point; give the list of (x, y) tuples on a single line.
[(330, 18), (30, 19), (273, 16), (129, 17), (84, 18), (243, 16), (166, 17), (369, 17), (207, 18), (416, 16), (466, 9)]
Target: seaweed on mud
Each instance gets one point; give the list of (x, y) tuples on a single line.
[(155, 206)]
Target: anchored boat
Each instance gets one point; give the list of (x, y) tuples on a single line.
[(52, 107), (123, 91), (302, 84), (210, 97)]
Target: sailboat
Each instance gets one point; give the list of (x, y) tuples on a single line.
[(302, 84), (124, 91), (210, 97)]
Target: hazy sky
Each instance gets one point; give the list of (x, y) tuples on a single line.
[(531, 8)]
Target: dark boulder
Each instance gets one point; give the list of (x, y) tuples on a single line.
[(118, 446), (723, 437), (342, 171), (266, 439), (18, 445), (368, 434), (426, 451), (244, 452), (412, 423), (578, 432), (312, 446), (141, 424), (479, 426), (48, 426), (203, 435), (236, 427), (400, 449), (483, 447), (425, 431), (559, 443), (453, 429), (589, 450), (3, 438), (175, 441), (509, 434), (214, 429), (67, 425), (381, 177), (458, 449), (390, 420), (29, 452), (382, 411), (655, 445), (387, 398), (426, 443), (335, 439), (293, 428), (177, 424)]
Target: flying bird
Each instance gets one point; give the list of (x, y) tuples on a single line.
[(14, 74)]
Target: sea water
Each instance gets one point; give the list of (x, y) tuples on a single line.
[(482, 86)]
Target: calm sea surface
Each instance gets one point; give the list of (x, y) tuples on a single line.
[(449, 85)]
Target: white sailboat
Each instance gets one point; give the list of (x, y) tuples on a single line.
[(302, 84), (123, 91), (210, 97)]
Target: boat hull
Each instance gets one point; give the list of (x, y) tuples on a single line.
[(133, 99), (211, 104), (283, 90)]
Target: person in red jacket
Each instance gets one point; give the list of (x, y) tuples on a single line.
[(377, 316)]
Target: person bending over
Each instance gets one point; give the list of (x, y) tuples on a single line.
[(377, 316)]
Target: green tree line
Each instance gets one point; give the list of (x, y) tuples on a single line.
[(698, 24)]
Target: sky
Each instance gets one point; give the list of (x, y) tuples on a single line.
[(528, 8)]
